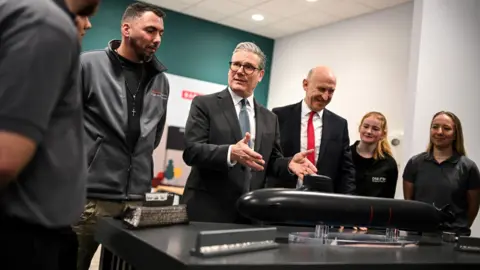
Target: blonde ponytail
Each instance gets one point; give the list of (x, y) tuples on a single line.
[(383, 149)]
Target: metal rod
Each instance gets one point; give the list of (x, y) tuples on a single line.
[(321, 232), (391, 235)]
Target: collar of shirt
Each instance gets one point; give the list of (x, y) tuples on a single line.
[(453, 159), (306, 110), (236, 98)]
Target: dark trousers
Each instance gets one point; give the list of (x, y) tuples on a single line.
[(28, 246)]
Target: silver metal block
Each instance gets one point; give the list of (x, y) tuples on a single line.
[(145, 216)]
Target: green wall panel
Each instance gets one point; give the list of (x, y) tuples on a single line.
[(190, 47), (105, 24)]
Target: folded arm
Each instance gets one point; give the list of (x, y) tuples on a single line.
[(161, 123), (160, 128), (26, 104), (473, 194), (472, 198), (409, 176)]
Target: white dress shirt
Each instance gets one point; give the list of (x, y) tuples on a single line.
[(317, 127), (251, 117)]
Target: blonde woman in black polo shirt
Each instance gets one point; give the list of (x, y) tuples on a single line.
[(375, 169), (443, 175)]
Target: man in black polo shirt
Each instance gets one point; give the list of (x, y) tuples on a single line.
[(125, 94), (42, 167)]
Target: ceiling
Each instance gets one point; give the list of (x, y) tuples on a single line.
[(281, 17)]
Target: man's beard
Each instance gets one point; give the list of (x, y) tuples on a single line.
[(139, 51)]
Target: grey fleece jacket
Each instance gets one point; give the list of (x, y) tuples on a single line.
[(114, 172)]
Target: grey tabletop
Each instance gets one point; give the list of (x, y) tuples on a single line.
[(169, 248)]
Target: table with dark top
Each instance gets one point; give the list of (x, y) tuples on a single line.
[(169, 248)]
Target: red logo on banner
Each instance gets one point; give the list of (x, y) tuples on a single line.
[(189, 94)]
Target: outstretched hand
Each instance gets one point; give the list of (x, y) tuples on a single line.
[(301, 166), (241, 153)]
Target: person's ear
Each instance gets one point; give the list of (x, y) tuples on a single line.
[(262, 73), (305, 84), (126, 30)]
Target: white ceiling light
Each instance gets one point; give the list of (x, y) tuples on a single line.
[(312, 1), (257, 17)]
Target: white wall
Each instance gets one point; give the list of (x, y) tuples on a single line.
[(408, 62), (444, 73), (369, 55)]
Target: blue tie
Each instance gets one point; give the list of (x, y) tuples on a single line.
[(245, 127), (244, 120)]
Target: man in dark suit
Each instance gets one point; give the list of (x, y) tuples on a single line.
[(309, 125), (225, 165)]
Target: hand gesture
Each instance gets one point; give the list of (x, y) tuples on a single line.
[(301, 166), (241, 153)]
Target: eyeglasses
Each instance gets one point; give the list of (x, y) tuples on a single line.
[(247, 68)]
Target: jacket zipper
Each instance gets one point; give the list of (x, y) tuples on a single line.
[(129, 170), (128, 177)]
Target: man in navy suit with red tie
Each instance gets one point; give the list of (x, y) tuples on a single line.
[(309, 125)]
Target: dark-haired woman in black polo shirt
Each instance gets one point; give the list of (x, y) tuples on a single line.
[(375, 169), (443, 175)]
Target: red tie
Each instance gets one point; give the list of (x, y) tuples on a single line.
[(311, 138)]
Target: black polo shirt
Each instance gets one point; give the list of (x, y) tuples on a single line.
[(444, 184), (375, 178), (40, 100)]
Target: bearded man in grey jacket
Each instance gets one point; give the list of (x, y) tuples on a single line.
[(125, 95)]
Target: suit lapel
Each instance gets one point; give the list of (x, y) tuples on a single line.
[(228, 109), (260, 128), (259, 125), (326, 130), (295, 127)]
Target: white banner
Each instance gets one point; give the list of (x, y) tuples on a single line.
[(169, 168)]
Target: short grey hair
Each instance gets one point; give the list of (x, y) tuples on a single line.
[(253, 48)]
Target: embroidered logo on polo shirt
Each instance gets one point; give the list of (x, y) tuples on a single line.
[(158, 93), (379, 179)]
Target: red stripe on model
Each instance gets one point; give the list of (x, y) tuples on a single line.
[(371, 214)]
